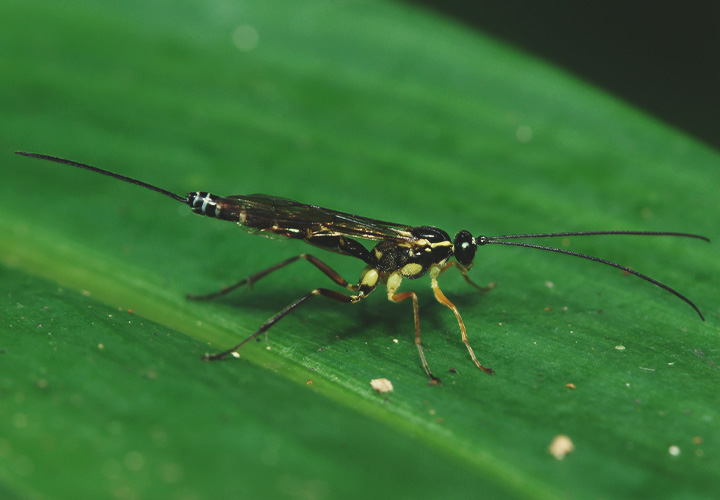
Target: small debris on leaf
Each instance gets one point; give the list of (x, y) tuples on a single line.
[(381, 385), (561, 445)]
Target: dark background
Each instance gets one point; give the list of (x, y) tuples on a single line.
[(663, 57)]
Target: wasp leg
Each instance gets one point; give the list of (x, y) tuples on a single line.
[(399, 298), (446, 302), (393, 283), (324, 292), (327, 270), (452, 263)]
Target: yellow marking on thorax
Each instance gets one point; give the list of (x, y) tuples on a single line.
[(411, 269)]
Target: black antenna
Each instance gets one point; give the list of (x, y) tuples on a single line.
[(595, 233), (105, 172), (497, 240)]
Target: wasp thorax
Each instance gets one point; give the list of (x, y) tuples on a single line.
[(434, 245)]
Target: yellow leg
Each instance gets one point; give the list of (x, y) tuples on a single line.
[(453, 263), (393, 283), (446, 302)]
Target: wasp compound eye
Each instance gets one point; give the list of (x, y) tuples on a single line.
[(464, 248)]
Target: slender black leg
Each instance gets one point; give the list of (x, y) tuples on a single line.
[(327, 270), (324, 292)]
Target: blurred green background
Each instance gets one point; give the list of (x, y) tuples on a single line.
[(661, 58), (377, 108)]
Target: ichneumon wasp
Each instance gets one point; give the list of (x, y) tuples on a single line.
[(400, 252)]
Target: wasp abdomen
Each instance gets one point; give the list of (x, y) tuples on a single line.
[(203, 203)]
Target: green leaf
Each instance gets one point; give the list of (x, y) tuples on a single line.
[(373, 108)]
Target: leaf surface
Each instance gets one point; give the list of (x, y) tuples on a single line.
[(371, 108)]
